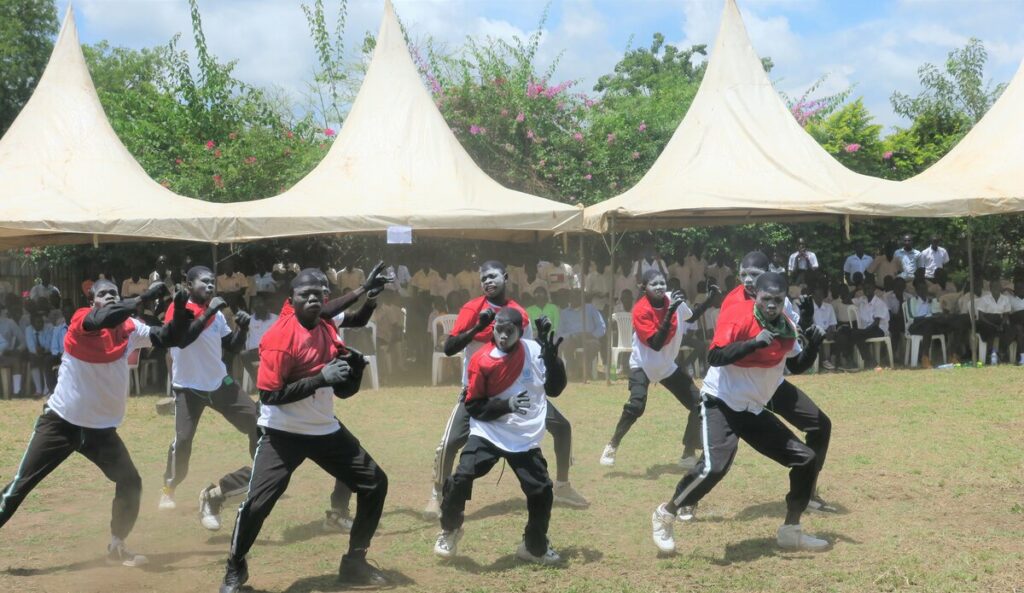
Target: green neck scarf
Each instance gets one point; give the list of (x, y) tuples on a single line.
[(780, 327)]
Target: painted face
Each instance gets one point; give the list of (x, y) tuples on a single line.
[(105, 294), (506, 335), (749, 276), (492, 281), (655, 288), (201, 288), (308, 301), (769, 302)]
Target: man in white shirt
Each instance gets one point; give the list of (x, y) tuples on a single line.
[(993, 321), (350, 278), (571, 323), (597, 286), (933, 258), (802, 263), (44, 289), (89, 403), (750, 351), (872, 322), (907, 256), (927, 319), (199, 379), (857, 262), (37, 339), (825, 320)]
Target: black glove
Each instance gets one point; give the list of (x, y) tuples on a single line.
[(242, 319), (765, 338), (182, 314), (355, 359), (486, 318), (519, 404), (676, 301), (155, 290), (714, 291), (336, 372), (216, 304), (548, 344), (543, 325), (375, 280), (814, 335)]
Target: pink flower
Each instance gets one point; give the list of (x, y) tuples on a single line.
[(250, 160), (642, 127), (635, 155), (329, 132), (542, 162), (210, 144), (289, 134), (504, 113), (529, 134), (216, 154), (218, 181), (611, 138), (232, 136), (589, 102), (578, 136), (521, 116), (177, 161), (499, 81), (587, 176), (852, 147), (887, 155), (475, 129)]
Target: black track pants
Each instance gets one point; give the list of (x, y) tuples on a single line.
[(680, 385)]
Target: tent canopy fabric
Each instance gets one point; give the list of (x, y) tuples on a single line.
[(740, 156), (397, 162), (986, 168), (65, 177)]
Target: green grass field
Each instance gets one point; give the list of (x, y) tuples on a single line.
[(927, 467)]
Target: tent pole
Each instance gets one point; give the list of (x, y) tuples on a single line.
[(213, 252), (611, 300), (846, 225), (583, 307), (970, 279)]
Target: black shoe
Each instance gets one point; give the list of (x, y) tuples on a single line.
[(357, 571), (235, 576)]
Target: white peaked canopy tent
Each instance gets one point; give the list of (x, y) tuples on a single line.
[(396, 162), (65, 177), (740, 156)]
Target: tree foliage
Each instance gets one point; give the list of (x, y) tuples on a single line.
[(27, 28)]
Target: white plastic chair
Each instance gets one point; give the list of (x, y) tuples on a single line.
[(623, 321), (371, 359), (443, 325), (982, 347), (911, 353), (133, 371), (875, 342)]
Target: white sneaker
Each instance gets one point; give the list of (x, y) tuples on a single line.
[(167, 500), (432, 512), (209, 509), (792, 537), (686, 513), (661, 530), (549, 558), (117, 553), (608, 456), (336, 520), (447, 543), (687, 463), (565, 494)]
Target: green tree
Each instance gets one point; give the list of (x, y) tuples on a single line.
[(27, 28), (849, 135)]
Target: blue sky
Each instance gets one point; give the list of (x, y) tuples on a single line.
[(877, 46)]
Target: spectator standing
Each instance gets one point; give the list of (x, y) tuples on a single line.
[(857, 262), (543, 307), (598, 286), (625, 281), (231, 286), (718, 271), (907, 257), (933, 258), (44, 289), (802, 263), (571, 323), (134, 286), (885, 264)]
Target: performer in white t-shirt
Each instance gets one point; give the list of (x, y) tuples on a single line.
[(89, 403), (753, 344), (658, 327), (199, 379), (509, 382)]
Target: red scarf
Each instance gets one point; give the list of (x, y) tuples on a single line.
[(489, 376), (196, 309), (100, 346), (647, 319), (736, 323)]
